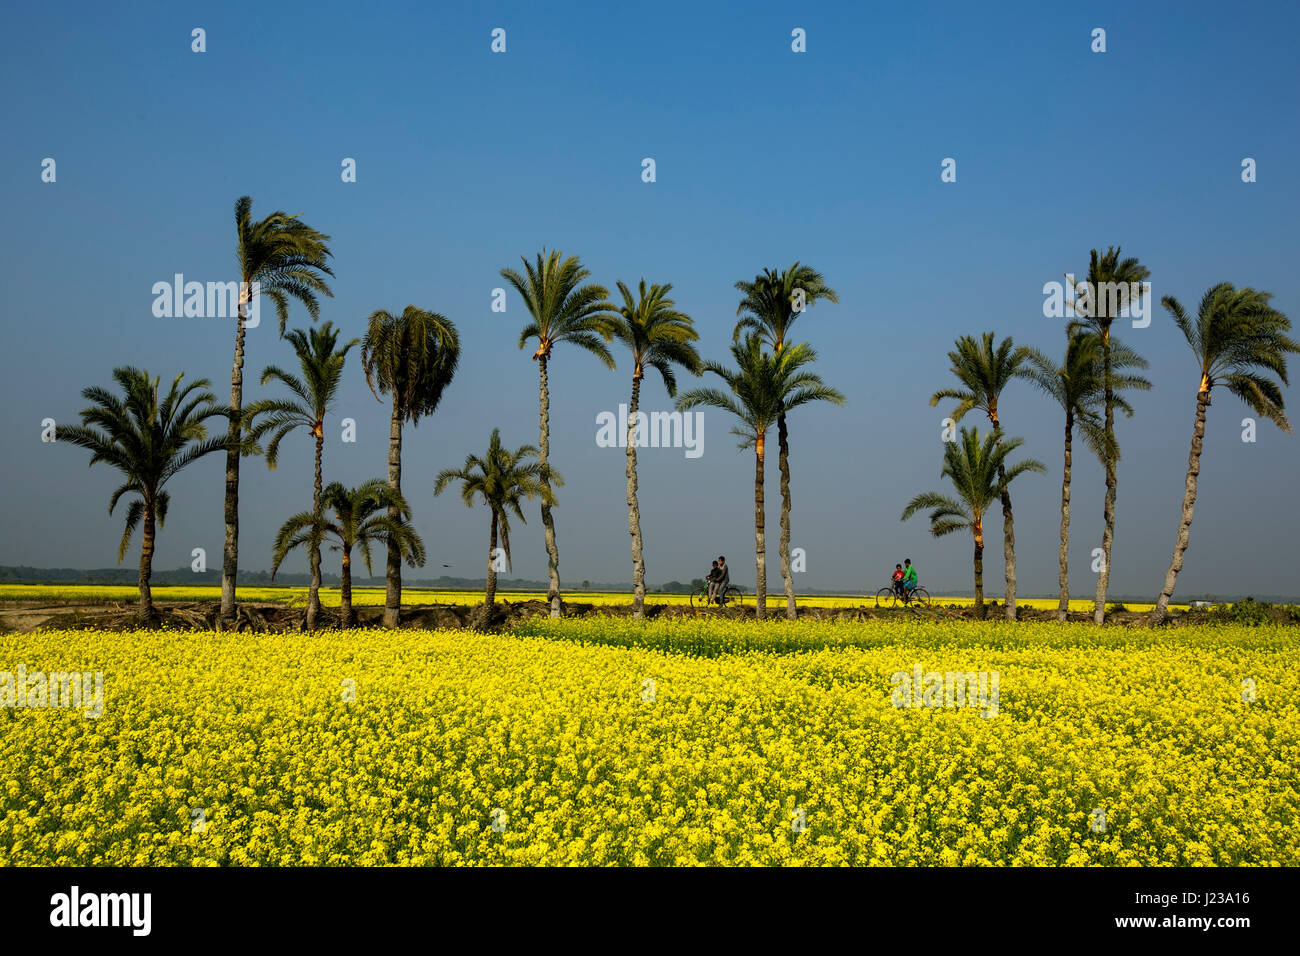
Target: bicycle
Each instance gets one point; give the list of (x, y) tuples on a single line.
[(732, 595), (889, 597)]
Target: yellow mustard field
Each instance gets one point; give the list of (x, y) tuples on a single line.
[(374, 597), (597, 741)]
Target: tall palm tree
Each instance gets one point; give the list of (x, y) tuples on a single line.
[(148, 441), (562, 310), (769, 307), (659, 337), (1109, 267), (412, 358), (287, 259), (501, 478), (1237, 338), (763, 385), (357, 523), (321, 363), (984, 370), (977, 468), (1077, 385)]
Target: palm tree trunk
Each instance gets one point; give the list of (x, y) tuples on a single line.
[(1108, 506), (346, 615), (783, 463), (548, 523), (393, 569), (1189, 502), (633, 509), (490, 597), (313, 593), (146, 562), (1008, 530), (1008, 544), (230, 552), (760, 546), (980, 612), (1063, 608)]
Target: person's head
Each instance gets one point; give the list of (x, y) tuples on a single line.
[(898, 567), (907, 561), (715, 564), (722, 559)]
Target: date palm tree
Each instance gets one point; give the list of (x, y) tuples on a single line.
[(1077, 385), (360, 519), (769, 306), (984, 370), (148, 441), (976, 466), (563, 310), (1101, 311), (1237, 338), (283, 259), (412, 358), (501, 478), (762, 386), (660, 338), (321, 364)]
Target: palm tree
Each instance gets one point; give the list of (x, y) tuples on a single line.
[(412, 358), (1077, 385), (764, 385), (984, 370), (1109, 268), (659, 337), (501, 478), (562, 310), (769, 307), (977, 468), (322, 370), (357, 523), (149, 442), (286, 258), (1237, 338)]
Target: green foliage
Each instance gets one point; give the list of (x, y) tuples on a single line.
[(412, 357), (502, 478), (284, 256), (762, 386), (146, 439)]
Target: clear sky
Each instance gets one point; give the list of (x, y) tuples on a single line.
[(467, 159)]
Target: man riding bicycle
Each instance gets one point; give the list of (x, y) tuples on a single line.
[(714, 575), (724, 578), (910, 581)]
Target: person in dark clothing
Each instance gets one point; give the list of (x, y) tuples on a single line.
[(712, 578), (724, 577)]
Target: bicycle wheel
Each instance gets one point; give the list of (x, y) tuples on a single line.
[(920, 596), (886, 597), (700, 598), (733, 595)]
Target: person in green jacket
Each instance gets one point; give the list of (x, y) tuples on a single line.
[(909, 576)]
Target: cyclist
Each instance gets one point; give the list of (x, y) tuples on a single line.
[(724, 578), (909, 576), (898, 580), (713, 577)]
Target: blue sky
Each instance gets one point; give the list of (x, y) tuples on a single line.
[(467, 160)]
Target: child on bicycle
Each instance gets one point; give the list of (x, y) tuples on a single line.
[(714, 577), (898, 580), (909, 576)]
